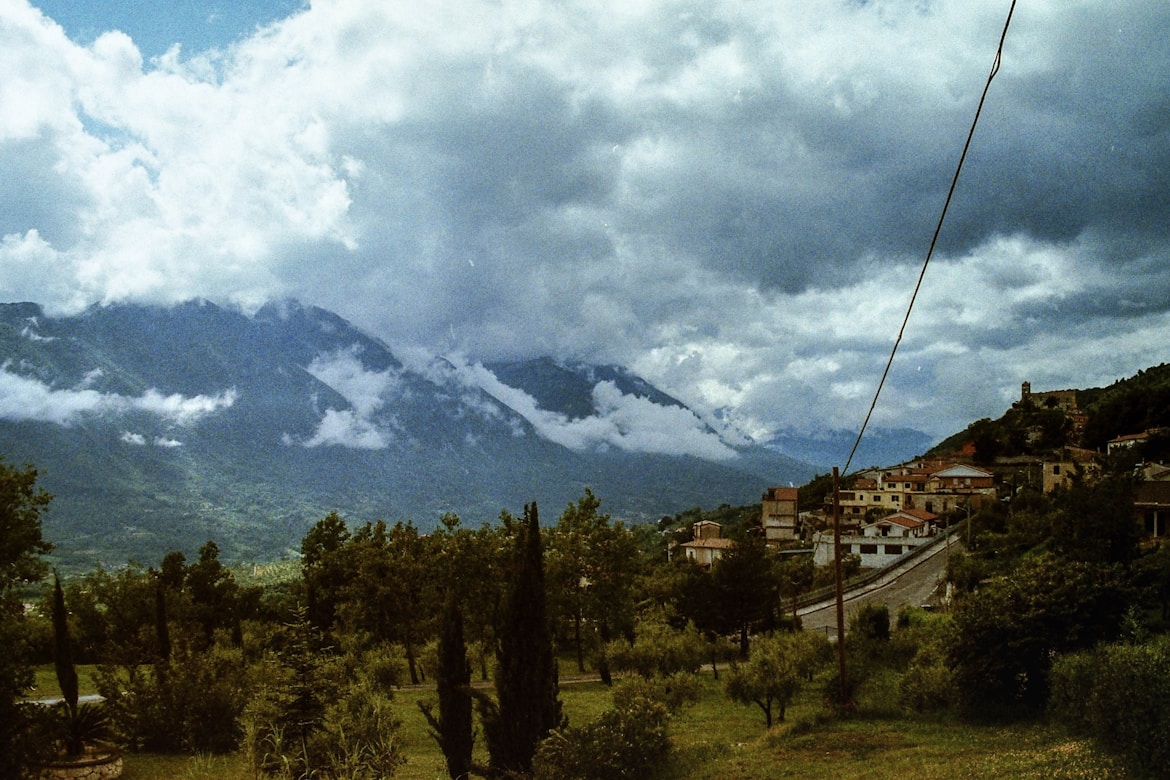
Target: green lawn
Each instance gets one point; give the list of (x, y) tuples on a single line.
[(719, 740), (45, 682)]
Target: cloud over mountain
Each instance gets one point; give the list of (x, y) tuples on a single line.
[(732, 200), (25, 398)]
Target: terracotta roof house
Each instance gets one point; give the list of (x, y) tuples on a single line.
[(708, 545)]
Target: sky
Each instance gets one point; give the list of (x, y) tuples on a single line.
[(733, 199)]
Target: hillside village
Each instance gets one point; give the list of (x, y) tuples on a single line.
[(888, 512)]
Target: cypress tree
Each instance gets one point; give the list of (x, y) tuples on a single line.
[(452, 729), (63, 662), (527, 707)]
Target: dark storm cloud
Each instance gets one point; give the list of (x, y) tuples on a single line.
[(733, 199)]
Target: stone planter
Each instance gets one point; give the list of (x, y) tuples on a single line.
[(96, 763)]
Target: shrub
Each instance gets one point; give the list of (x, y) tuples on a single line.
[(193, 704), (1119, 694), (659, 650), (627, 741), (673, 691)]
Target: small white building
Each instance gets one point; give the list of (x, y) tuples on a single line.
[(881, 542)]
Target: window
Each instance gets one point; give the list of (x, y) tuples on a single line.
[(895, 498), (869, 549), (893, 549), (1056, 469), (877, 499), (885, 530)]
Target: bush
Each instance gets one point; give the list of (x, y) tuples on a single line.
[(1120, 695), (193, 704), (659, 650), (673, 691), (323, 716), (628, 741), (928, 687)]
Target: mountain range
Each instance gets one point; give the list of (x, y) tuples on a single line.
[(159, 428)]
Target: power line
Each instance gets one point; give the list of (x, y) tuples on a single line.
[(934, 239)]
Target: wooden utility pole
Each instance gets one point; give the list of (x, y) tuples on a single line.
[(844, 692)]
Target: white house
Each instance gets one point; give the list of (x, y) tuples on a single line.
[(881, 542)]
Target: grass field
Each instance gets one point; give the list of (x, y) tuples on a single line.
[(719, 740)]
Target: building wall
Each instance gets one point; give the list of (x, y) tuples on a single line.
[(875, 551)]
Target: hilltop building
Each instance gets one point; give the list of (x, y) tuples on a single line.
[(936, 487)]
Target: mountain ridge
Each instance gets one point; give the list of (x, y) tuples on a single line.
[(157, 428)]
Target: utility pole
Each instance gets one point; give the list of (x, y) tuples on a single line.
[(844, 687)]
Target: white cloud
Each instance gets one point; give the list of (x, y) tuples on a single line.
[(626, 422), (137, 439), (24, 398), (365, 390), (733, 202), (363, 426), (347, 429)]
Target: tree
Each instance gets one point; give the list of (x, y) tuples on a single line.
[(63, 664), (21, 548), (772, 675), (1096, 522), (325, 569), (592, 563), (452, 729), (390, 594), (659, 650), (527, 706), (746, 588), (214, 595), (1007, 633), (473, 564)]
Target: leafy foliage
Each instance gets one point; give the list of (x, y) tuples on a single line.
[(1008, 632), (21, 548), (1119, 695)]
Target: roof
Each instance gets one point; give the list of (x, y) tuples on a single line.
[(962, 471), (900, 518), (918, 514)]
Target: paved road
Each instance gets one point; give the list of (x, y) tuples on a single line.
[(910, 585)]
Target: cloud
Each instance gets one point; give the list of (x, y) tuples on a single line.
[(622, 421), (23, 398), (347, 429), (361, 427), (733, 201)]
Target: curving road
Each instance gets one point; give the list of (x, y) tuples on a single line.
[(911, 584)]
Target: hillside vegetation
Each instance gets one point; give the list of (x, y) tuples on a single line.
[(1058, 623)]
